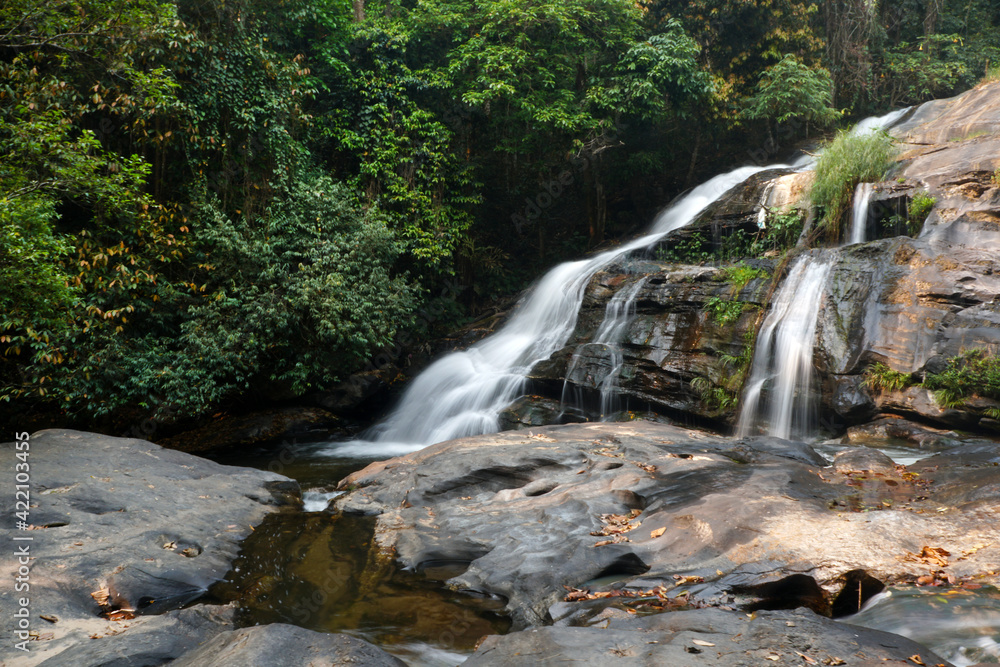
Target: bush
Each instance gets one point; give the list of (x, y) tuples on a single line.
[(919, 208), (879, 377), (973, 373), (845, 162)]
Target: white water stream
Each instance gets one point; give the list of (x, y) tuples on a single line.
[(859, 213), (784, 353), (778, 393)]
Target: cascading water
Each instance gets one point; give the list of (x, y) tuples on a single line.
[(617, 316), (784, 353), (859, 213), (463, 393)]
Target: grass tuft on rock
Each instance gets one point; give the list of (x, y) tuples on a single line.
[(845, 162)]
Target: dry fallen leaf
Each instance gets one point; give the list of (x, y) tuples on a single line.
[(930, 556), (833, 661), (806, 658), (701, 642), (49, 617), (915, 659), (100, 596), (656, 533)]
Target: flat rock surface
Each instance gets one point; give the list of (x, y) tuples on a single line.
[(282, 644), (705, 638), (150, 526), (525, 511)]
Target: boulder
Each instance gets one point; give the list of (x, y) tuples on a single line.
[(128, 528), (282, 644), (257, 428), (575, 507), (705, 638)]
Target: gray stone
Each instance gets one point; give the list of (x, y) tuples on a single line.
[(704, 638), (281, 644), (153, 527)]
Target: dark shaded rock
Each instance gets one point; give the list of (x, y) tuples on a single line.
[(282, 644), (671, 340), (703, 637), (850, 399), (859, 587), (352, 393), (863, 458), (525, 511), (533, 410), (154, 526), (257, 428)]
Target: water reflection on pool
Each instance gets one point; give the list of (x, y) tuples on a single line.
[(960, 625)]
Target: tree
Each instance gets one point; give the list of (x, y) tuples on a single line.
[(790, 91)]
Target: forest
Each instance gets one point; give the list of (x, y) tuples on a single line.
[(216, 203)]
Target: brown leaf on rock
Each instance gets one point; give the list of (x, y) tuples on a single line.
[(930, 556), (617, 539), (656, 533), (915, 659), (100, 596)]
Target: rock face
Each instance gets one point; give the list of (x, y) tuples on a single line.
[(526, 513), (151, 527), (672, 338), (705, 638)]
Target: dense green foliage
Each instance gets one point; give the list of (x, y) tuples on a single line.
[(847, 161), (205, 202), (974, 373)]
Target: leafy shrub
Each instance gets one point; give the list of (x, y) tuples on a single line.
[(879, 377), (724, 312), (973, 373), (740, 275), (846, 161), (919, 208), (691, 249)]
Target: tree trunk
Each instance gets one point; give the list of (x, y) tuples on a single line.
[(359, 10)]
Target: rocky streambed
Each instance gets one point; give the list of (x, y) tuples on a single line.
[(631, 543)]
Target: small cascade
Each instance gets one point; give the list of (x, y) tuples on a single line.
[(859, 215), (463, 393), (618, 315), (783, 358)]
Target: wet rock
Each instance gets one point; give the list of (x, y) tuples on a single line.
[(863, 458), (151, 528), (850, 399), (257, 428), (671, 341), (281, 644), (532, 410), (528, 511), (705, 637), (922, 436)]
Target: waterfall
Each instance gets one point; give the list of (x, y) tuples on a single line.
[(784, 353), (463, 393), (859, 215)]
